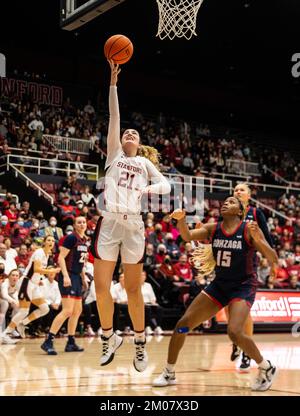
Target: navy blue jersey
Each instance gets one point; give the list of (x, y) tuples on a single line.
[(256, 214), (234, 255), (77, 255)]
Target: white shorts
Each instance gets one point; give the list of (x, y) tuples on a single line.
[(119, 233), (30, 291)]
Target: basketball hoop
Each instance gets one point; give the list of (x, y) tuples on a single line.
[(177, 18)]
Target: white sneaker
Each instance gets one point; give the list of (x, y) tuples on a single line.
[(15, 334), (265, 378), (148, 330), (99, 332), (158, 331), (109, 347), (21, 329), (166, 378), (90, 332), (140, 360), (6, 339)]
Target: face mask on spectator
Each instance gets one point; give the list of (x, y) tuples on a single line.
[(21, 270), (21, 223), (161, 251), (2, 270), (167, 261), (4, 222), (66, 201), (80, 206), (53, 223)]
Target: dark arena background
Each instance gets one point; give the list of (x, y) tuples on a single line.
[(222, 108)]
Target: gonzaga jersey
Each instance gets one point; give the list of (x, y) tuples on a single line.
[(233, 254), (125, 178), (77, 255), (41, 256)]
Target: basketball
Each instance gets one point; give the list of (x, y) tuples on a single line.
[(118, 48)]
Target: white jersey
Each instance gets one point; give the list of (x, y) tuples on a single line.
[(41, 256), (126, 177)]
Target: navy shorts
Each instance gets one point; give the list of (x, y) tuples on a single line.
[(73, 291), (223, 294)]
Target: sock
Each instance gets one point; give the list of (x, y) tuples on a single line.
[(140, 336), (107, 332), (170, 367), (50, 336), (264, 364), (71, 339)]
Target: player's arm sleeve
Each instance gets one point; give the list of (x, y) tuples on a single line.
[(113, 137), (69, 242), (4, 292), (262, 223), (160, 184)]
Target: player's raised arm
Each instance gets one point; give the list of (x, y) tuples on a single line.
[(113, 136), (199, 234)]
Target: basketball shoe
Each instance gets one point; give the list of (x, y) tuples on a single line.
[(166, 378), (140, 360), (265, 378), (109, 347)]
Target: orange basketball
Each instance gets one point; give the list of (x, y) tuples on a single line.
[(118, 48)]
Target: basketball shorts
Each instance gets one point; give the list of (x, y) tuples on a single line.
[(119, 233), (74, 291), (223, 294), (30, 291)]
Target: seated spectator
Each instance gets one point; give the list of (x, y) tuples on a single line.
[(157, 236), (172, 248), (91, 224), (23, 232), (23, 256), (12, 213), (161, 253), (153, 312), (9, 296), (53, 298), (67, 211), (4, 228), (9, 262), (183, 269), (263, 272), (294, 283), (87, 198), (10, 252), (149, 260)]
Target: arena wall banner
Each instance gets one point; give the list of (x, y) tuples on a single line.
[(272, 307), (39, 92)]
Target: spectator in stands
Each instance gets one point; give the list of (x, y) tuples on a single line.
[(183, 269), (9, 262), (36, 123), (53, 298), (67, 211), (263, 272), (121, 304), (294, 282), (171, 246), (153, 312), (43, 223), (12, 213), (9, 296), (10, 252), (54, 230), (92, 223), (23, 256), (4, 227), (79, 168), (161, 253), (23, 232), (87, 197), (89, 109), (156, 237), (149, 260)]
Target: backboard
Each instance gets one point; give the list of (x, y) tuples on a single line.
[(76, 13)]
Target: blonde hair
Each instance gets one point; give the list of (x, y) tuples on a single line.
[(203, 259), (149, 153)]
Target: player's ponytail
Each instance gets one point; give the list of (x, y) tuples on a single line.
[(149, 153), (203, 259)]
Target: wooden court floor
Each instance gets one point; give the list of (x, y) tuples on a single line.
[(203, 368)]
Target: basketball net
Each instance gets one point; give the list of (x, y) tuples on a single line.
[(177, 18)]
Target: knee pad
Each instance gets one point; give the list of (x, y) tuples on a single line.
[(44, 309), (182, 330)]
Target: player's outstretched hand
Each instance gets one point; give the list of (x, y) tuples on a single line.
[(178, 214), (115, 70)]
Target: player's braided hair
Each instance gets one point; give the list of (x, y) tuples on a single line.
[(149, 153)]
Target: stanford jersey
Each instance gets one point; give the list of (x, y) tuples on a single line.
[(77, 255)]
